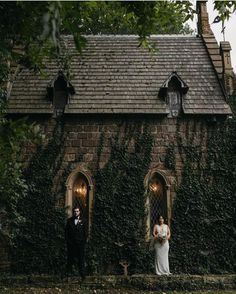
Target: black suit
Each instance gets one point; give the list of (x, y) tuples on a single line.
[(75, 235)]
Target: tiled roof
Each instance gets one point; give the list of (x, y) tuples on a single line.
[(114, 75)]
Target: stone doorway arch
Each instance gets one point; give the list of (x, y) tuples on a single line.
[(80, 192), (157, 198)]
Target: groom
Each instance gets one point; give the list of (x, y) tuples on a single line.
[(75, 235)]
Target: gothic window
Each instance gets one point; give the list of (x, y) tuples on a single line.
[(174, 99), (58, 92), (80, 193), (157, 199), (173, 91)]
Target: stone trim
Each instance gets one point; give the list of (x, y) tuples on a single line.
[(69, 192), (147, 204)]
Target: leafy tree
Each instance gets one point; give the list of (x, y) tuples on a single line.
[(225, 9), (41, 23), (123, 18), (13, 134)]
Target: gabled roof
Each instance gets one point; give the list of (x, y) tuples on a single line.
[(50, 87), (164, 87), (114, 75)]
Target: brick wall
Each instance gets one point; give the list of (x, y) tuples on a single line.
[(82, 134)]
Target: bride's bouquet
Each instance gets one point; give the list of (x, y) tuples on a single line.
[(162, 237)]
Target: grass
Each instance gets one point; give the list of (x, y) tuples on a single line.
[(43, 284), (73, 289)]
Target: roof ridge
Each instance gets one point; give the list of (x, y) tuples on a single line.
[(136, 36)]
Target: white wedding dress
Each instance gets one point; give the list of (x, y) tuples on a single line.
[(162, 252)]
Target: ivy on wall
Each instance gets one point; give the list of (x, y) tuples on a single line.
[(39, 241), (118, 231), (203, 227), (170, 157)]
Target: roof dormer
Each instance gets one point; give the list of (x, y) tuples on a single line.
[(58, 92), (173, 90)]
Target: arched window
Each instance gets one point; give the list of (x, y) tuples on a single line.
[(157, 203), (59, 91), (80, 192), (174, 97), (157, 198), (173, 91)]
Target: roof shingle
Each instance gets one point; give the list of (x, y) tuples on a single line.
[(114, 75)]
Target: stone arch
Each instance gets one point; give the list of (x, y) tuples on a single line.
[(157, 187), (72, 178)]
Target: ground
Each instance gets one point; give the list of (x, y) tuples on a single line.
[(68, 290), (144, 284)]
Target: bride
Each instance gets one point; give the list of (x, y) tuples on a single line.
[(161, 233)]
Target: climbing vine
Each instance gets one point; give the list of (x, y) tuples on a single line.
[(204, 209), (118, 231), (39, 241), (203, 225), (170, 157)]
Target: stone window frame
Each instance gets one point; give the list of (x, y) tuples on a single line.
[(147, 179), (180, 90), (51, 91), (69, 193)]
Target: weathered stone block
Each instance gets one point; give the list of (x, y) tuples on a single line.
[(70, 157), (76, 143), (71, 150), (91, 128), (89, 143), (82, 135)]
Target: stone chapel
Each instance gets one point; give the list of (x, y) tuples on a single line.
[(185, 82)]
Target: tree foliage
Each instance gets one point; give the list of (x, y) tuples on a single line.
[(225, 9), (36, 23), (13, 134)]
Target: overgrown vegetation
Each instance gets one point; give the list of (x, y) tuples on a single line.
[(38, 244), (204, 228), (13, 134), (118, 231)]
